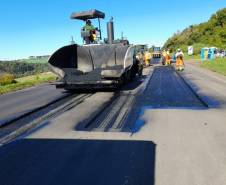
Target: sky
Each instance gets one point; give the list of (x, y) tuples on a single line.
[(40, 27)]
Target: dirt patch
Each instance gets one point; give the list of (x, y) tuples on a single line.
[(194, 61)]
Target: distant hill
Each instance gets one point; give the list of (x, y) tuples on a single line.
[(21, 69), (3, 71), (211, 33)]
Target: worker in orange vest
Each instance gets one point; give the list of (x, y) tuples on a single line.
[(179, 62), (168, 57)]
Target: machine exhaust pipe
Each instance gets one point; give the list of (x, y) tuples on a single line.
[(110, 29)]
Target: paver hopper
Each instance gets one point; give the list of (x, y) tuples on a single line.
[(106, 65)]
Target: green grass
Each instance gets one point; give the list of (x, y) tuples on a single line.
[(27, 82), (187, 57), (217, 65), (34, 60), (41, 76)]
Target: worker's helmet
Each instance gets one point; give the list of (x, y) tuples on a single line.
[(88, 21), (178, 49)]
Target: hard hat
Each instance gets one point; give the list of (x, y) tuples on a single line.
[(88, 21), (178, 49)]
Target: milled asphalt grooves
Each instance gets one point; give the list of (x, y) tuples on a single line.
[(39, 119), (34, 110), (99, 112)]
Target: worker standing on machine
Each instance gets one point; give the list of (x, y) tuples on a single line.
[(179, 62), (88, 26), (168, 57), (141, 58), (142, 50), (142, 55), (147, 58)]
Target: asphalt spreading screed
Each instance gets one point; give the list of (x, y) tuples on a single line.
[(94, 75)]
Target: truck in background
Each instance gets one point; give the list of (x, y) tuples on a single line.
[(156, 52)]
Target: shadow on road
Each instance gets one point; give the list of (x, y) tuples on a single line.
[(68, 161)]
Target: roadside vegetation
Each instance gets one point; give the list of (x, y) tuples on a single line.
[(24, 82), (217, 65), (22, 69), (207, 34)]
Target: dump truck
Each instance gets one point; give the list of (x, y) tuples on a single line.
[(94, 65), (156, 52)]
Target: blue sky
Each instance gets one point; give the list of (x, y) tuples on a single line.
[(40, 27)]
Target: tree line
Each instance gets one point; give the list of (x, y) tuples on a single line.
[(21, 69), (210, 33)]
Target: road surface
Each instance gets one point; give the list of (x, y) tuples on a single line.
[(18, 103), (156, 131)]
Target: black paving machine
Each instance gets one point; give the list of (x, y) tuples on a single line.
[(94, 65)]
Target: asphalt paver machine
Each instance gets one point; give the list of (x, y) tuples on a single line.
[(89, 66)]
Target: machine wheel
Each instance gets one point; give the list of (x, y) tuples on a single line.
[(127, 77)]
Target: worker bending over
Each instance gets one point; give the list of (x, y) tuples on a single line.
[(179, 62), (168, 57)]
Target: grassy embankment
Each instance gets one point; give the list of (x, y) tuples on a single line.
[(28, 81), (216, 64)]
